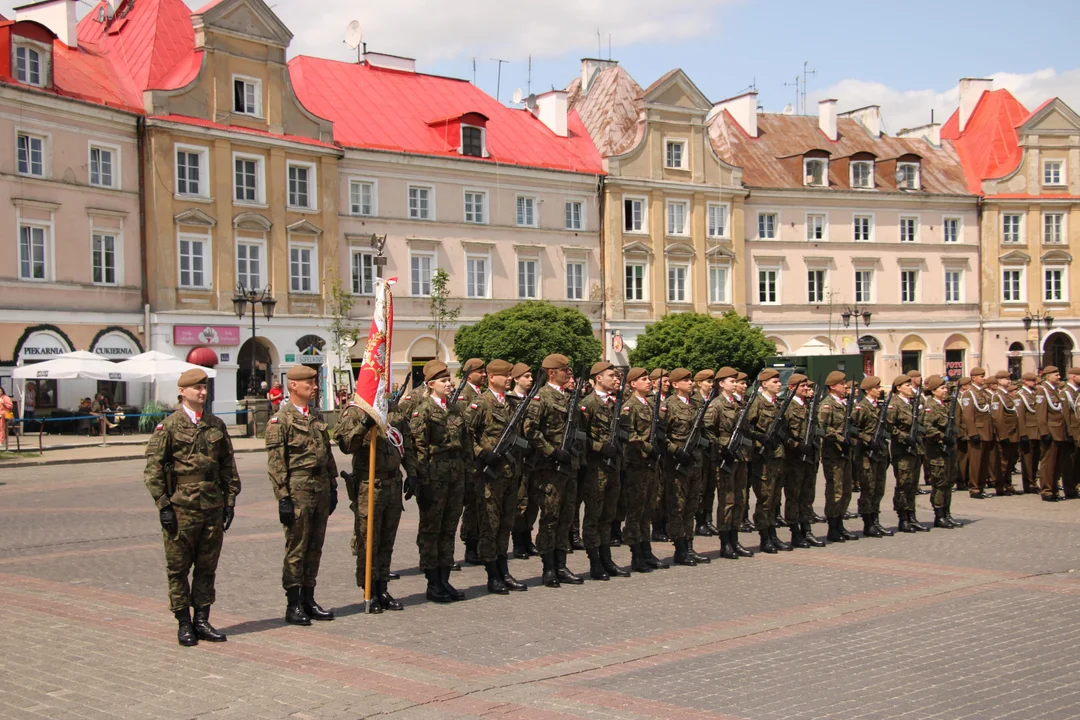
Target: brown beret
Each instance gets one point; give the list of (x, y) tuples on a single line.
[(976, 372), (965, 381), (657, 374), (934, 382), (742, 377), (635, 374), (913, 374), (499, 367), (519, 370), (870, 382), (834, 378), (1049, 369), (556, 362), (767, 374), (472, 365), (796, 378), (679, 374), (301, 372), (600, 367), (435, 370), (726, 372), (1030, 376), (191, 378), (1001, 374), (704, 375), (900, 380), (1073, 371)]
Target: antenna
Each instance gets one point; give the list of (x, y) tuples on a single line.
[(530, 78), (354, 37), (599, 47), (474, 71), (498, 80), (805, 74), (796, 84), (530, 102), (101, 14)]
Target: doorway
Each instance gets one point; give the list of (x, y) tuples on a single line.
[(1016, 360), (1057, 351), (263, 351)]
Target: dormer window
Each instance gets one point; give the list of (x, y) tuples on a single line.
[(907, 175), (862, 174), (472, 141), (815, 172), (247, 96), (30, 61)]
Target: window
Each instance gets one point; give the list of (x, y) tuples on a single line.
[(573, 215), (676, 283), (420, 206), (1012, 285), (862, 174), (1054, 284), (420, 270), (953, 285), (1010, 228), (103, 258), (194, 251), (635, 282), (191, 163), (475, 203), (766, 226), (950, 228), (31, 155), (675, 154), (249, 263), (248, 179), (863, 225), (364, 272), (362, 197), (33, 242), (28, 65), (247, 96), (1052, 174), (907, 176), (910, 360), (909, 280), (1052, 223), (768, 286), (301, 268), (718, 221), (528, 272), (816, 172), (815, 227), (676, 217), (526, 211), (302, 186), (634, 215), (815, 286), (103, 166), (476, 276), (472, 141), (909, 229), (575, 281), (864, 286), (718, 285)]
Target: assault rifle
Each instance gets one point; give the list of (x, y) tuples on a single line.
[(812, 441), (915, 432), (738, 434), (773, 432), (657, 436), (850, 435), (693, 440), (457, 391), (571, 434), (510, 439), (950, 431), (616, 436), (878, 446)]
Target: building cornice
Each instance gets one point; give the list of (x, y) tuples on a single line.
[(614, 181), (459, 164), (868, 198), (241, 138)]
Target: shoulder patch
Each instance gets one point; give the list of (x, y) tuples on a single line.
[(966, 402), (584, 409), (416, 414), (536, 398), (626, 408), (663, 408), (273, 420), (159, 427), (472, 405), (1039, 399)]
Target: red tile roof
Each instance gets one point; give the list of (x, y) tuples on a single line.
[(381, 109), (611, 109), (988, 147)]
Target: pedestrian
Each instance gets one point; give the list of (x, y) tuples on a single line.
[(7, 414), (901, 418), (939, 451), (303, 474), (191, 475), (638, 491), (275, 396), (475, 376)]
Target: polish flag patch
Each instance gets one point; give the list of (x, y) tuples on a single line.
[(273, 420)]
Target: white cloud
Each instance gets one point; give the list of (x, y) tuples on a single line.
[(910, 108)]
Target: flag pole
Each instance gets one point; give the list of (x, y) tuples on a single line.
[(370, 518)]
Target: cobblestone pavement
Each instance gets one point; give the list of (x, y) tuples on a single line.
[(980, 622)]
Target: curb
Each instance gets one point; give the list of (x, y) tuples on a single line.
[(83, 461)]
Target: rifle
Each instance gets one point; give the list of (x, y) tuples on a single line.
[(457, 391), (915, 432), (510, 439), (693, 439), (402, 389), (812, 441), (616, 436), (657, 437), (738, 435), (878, 445), (774, 428), (573, 410), (850, 435), (950, 431)]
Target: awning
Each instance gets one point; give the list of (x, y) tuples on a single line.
[(203, 356)]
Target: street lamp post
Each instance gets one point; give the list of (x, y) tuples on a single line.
[(1040, 317), (856, 312), (241, 300)]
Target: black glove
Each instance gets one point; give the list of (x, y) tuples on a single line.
[(1005, 442), (167, 517), (424, 496), (684, 457), (948, 442), (285, 511), (608, 451), (1047, 441), (726, 455), (230, 512), (486, 458), (560, 457), (976, 440), (1025, 444), (333, 500), (407, 486), (367, 421), (962, 443)]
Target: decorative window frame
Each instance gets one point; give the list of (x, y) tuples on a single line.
[(204, 172), (260, 180), (313, 187), (355, 179), (258, 83)]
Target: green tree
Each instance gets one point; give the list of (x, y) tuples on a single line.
[(343, 328), (527, 333), (696, 341), (442, 312)]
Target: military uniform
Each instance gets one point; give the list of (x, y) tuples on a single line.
[(1007, 434), (1049, 411), (639, 479), (962, 444), (1070, 399), (526, 509), (682, 475), (767, 467), (871, 463), (719, 423), (704, 518), (979, 423), (1027, 421), (470, 502), (601, 483), (441, 440), (836, 459), (800, 464), (904, 456), (939, 454), (659, 502)]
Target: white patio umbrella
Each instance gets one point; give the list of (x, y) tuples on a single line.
[(69, 366), (151, 365)]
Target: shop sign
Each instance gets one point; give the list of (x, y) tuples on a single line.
[(206, 335), (42, 346), (115, 346), (290, 357)]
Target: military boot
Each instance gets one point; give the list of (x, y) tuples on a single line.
[(659, 534), (551, 579), (596, 570), (654, 562), (530, 545), (563, 573), (453, 592), (711, 527), (609, 565), (294, 613), (766, 545), (747, 526), (948, 514), (780, 521), (185, 632), (834, 531), (472, 557), (616, 534), (940, 521), (726, 551), (393, 575), (311, 608), (919, 527), (798, 540), (521, 548), (638, 561), (777, 542), (808, 535), (694, 554), (681, 556), (844, 531), (435, 590), (885, 532), (575, 540), (733, 538), (511, 583), (495, 584), (868, 527), (699, 528), (386, 600), (905, 523), (818, 518), (203, 629)]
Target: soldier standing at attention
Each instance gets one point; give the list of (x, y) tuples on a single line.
[(497, 486), (661, 388), (191, 475), (681, 465), (719, 424), (304, 477), (979, 423), (475, 375), (551, 483), (639, 482), (872, 463), (962, 386), (1070, 396), (705, 380), (921, 470), (1052, 435), (799, 463), (837, 452), (741, 386), (769, 463), (1027, 419), (904, 453), (1007, 430), (939, 451), (441, 440), (526, 511)]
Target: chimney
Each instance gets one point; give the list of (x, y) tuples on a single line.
[(390, 62), (589, 68), (551, 109), (971, 89), (827, 118), (868, 117), (57, 15), (743, 108)]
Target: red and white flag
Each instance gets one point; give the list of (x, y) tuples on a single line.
[(373, 383)]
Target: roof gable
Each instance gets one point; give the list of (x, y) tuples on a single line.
[(1052, 117), (247, 18), (676, 89), (988, 147), (610, 110)]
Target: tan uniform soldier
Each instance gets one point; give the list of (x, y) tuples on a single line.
[(962, 444), (1053, 437), (1070, 394), (1028, 422), (1007, 431), (979, 424)]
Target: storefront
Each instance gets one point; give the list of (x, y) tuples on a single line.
[(116, 345)]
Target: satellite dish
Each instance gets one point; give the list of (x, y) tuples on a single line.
[(530, 102), (789, 109), (354, 34), (517, 96), (101, 14)]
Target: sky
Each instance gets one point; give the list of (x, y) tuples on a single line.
[(905, 57)]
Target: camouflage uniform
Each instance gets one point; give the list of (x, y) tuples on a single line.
[(441, 442), (683, 486), (769, 464), (600, 489), (940, 459), (659, 501), (708, 474), (526, 509), (904, 458), (470, 501), (639, 488), (719, 423), (798, 472), (301, 466), (497, 488), (553, 492), (872, 470), (204, 471), (835, 459)]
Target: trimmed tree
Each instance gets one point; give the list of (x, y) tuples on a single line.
[(343, 328), (696, 341), (527, 333), (443, 314)]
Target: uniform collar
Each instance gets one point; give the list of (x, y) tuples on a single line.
[(476, 388), (501, 397), (684, 399), (300, 410), (561, 391), (192, 415), (799, 400)]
